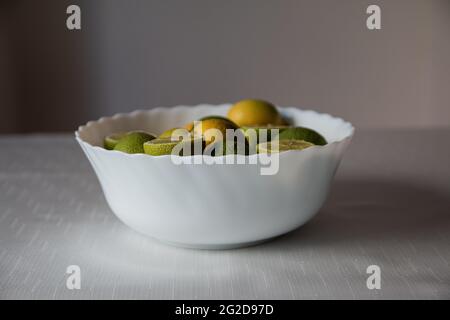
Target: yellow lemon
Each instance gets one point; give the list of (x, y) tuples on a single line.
[(203, 128), (189, 126), (254, 113)]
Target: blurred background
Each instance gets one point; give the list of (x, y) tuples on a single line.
[(142, 54)]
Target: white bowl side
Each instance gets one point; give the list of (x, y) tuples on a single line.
[(213, 206)]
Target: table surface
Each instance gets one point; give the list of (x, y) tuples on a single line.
[(389, 206)]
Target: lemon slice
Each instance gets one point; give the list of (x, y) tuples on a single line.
[(283, 145), (165, 146), (302, 133)]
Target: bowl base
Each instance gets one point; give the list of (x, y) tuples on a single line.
[(226, 246)]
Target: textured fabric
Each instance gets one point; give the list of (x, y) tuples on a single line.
[(389, 206)]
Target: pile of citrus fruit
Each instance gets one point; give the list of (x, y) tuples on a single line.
[(254, 125)]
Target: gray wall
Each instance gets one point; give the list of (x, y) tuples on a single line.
[(137, 54)]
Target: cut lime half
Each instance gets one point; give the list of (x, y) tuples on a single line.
[(165, 146), (111, 140), (282, 145), (302, 133), (261, 135)]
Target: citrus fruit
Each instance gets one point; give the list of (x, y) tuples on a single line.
[(165, 146), (221, 148), (302, 133), (215, 117), (262, 136), (169, 133), (189, 126), (202, 128), (132, 142), (282, 145), (254, 113), (111, 140)]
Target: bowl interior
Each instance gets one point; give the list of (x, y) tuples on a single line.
[(160, 119)]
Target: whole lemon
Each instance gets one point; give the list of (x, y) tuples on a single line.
[(202, 128), (254, 113)]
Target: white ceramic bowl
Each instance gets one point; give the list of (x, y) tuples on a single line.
[(213, 206)]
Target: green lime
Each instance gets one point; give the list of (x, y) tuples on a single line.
[(133, 142), (160, 147), (257, 130), (111, 140), (302, 133), (282, 145), (215, 117)]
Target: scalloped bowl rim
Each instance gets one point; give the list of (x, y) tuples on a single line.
[(138, 112)]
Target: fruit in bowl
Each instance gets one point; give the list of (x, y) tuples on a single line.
[(218, 205), (254, 113), (259, 122)]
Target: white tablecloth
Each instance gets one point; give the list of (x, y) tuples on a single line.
[(389, 206)]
